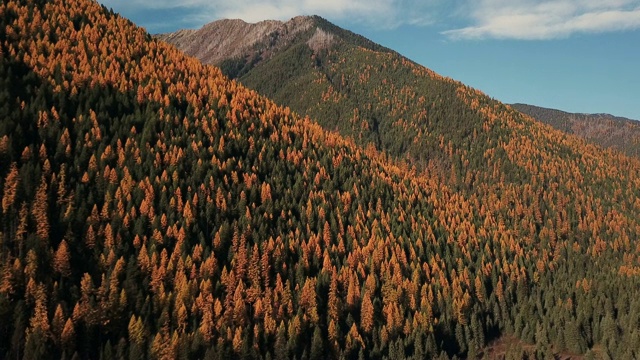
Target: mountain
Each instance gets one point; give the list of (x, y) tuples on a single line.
[(237, 38), (237, 47), (601, 129), (153, 208), (377, 97), (346, 85)]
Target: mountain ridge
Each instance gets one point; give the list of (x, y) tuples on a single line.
[(265, 49), (603, 115), (238, 37), (243, 45), (602, 129)]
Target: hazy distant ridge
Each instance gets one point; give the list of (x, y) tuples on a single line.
[(603, 129)]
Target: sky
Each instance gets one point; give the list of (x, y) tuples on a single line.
[(573, 55)]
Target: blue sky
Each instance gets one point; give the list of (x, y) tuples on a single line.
[(573, 55)]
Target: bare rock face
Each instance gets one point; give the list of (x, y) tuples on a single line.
[(225, 39)]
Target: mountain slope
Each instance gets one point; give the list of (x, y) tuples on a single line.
[(368, 93), (153, 208), (236, 46), (539, 183), (601, 129), (237, 38)]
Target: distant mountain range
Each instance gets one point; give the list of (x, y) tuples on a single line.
[(602, 129)]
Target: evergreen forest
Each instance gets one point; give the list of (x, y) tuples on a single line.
[(154, 208)]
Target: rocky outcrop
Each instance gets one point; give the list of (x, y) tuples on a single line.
[(227, 39)]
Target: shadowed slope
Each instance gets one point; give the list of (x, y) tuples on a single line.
[(601, 129)]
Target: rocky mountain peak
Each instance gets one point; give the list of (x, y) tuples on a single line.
[(232, 38)]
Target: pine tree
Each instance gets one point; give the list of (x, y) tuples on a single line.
[(10, 188), (68, 337), (281, 351), (136, 338), (317, 345), (308, 300), (61, 260), (366, 313), (39, 210)]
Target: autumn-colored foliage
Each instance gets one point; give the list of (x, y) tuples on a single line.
[(151, 207)]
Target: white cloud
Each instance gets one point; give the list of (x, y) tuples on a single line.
[(546, 19), (478, 19), (378, 13)]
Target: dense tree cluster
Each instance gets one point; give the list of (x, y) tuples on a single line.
[(153, 208), (543, 186)]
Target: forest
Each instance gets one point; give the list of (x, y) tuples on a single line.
[(153, 208), (602, 129)]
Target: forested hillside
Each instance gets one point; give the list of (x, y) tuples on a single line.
[(153, 208), (601, 129)]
